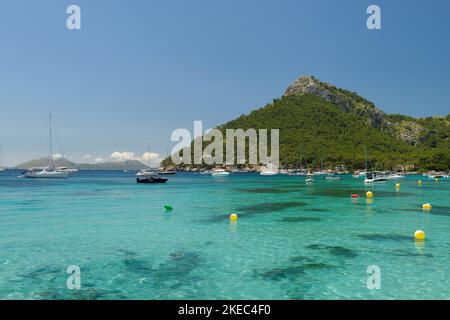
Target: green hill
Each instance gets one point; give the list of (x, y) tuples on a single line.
[(322, 123)]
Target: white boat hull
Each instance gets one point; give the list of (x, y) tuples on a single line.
[(375, 180), (268, 173), (46, 175), (220, 174)]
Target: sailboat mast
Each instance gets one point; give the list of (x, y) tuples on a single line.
[(301, 162), (365, 155), (50, 158), (1, 155), (149, 157)]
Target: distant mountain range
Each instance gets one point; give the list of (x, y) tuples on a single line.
[(62, 162), (322, 124)]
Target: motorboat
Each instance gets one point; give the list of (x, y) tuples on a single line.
[(166, 172), (151, 179), (269, 170), (220, 173), (309, 178), (374, 177)]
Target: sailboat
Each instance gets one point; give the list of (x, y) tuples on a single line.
[(321, 171), (146, 172), (361, 174), (1, 157), (373, 177), (50, 171), (299, 172)]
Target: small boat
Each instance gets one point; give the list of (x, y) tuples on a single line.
[(309, 178), (373, 177), (269, 170), (151, 179), (220, 173), (165, 172)]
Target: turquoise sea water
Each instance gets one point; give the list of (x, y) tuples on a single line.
[(292, 240)]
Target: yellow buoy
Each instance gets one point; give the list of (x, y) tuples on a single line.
[(397, 185), (427, 206), (369, 194), (233, 217), (419, 235)]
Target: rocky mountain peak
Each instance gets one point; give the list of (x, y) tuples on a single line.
[(344, 99)]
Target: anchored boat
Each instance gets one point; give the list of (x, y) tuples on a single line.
[(374, 177), (50, 171), (220, 173), (151, 179)]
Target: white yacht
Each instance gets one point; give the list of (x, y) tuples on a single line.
[(220, 173), (374, 177), (50, 171), (269, 170)]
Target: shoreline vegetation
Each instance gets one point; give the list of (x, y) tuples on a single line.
[(322, 127), (325, 127)]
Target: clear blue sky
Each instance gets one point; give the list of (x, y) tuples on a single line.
[(139, 69)]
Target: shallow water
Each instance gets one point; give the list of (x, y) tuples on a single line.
[(292, 240)]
